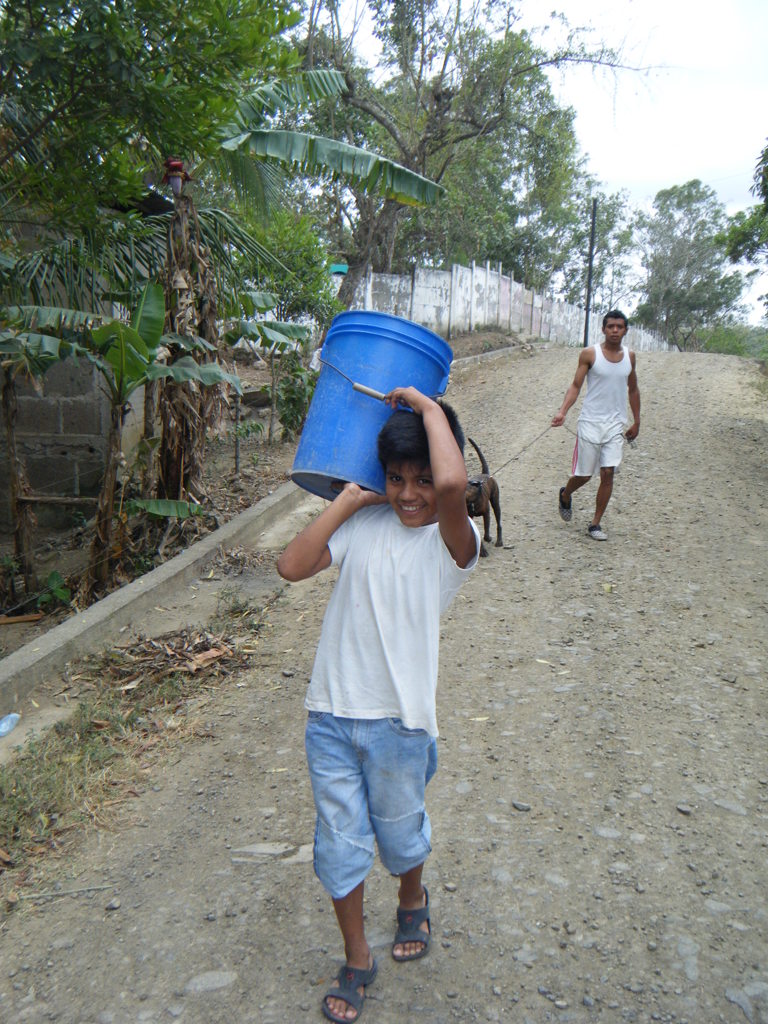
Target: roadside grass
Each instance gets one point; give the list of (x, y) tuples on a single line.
[(134, 702)]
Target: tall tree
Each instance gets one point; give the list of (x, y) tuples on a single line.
[(747, 234), (685, 286), (250, 149), (612, 269), (459, 79)]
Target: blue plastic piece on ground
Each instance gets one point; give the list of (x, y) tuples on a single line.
[(8, 722)]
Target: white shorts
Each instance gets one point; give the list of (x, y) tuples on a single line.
[(588, 457)]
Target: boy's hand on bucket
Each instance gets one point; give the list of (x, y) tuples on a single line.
[(408, 397), (361, 495)]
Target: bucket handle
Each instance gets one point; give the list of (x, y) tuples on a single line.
[(370, 391)]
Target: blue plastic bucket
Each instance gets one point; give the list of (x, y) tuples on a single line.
[(381, 352)]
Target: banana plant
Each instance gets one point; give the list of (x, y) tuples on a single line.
[(128, 356), (250, 147), (275, 338)]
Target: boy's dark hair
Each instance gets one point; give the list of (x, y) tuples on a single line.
[(404, 439), (615, 314)]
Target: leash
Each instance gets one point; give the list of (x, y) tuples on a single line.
[(381, 397), (632, 444), (522, 450)]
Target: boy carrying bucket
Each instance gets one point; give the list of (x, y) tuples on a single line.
[(371, 727)]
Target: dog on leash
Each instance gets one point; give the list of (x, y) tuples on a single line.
[(482, 495)]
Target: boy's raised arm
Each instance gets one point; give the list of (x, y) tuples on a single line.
[(308, 553), (449, 474)]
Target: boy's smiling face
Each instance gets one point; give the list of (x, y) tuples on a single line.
[(411, 493)]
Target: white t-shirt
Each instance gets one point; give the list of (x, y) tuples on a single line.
[(604, 411), (378, 650)]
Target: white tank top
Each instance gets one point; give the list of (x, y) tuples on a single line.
[(605, 406)]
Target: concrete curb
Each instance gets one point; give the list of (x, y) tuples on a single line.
[(100, 624)]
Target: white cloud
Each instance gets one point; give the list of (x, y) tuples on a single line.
[(697, 112)]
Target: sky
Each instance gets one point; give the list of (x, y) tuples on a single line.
[(699, 109)]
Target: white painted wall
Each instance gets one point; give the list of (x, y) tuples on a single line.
[(480, 297)]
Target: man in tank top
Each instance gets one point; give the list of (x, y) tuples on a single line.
[(609, 370)]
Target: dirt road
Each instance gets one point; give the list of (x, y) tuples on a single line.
[(600, 815)]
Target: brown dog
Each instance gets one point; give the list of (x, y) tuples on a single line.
[(482, 495)]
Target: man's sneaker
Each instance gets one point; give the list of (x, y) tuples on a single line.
[(564, 510), (597, 533)]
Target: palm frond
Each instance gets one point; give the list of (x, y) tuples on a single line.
[(79, 270), (270, 98), (314, 153), (223, 235), (48, 318), (258, 185)]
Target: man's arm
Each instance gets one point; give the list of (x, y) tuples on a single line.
[(634, 400), (586, 358), (308, 553), (449, 474)]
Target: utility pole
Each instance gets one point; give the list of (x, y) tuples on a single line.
[(589, 272)]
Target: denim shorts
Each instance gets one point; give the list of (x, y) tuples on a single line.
[(368, 780)]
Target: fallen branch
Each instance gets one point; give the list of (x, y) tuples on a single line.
[(61, 892), (10, 620)]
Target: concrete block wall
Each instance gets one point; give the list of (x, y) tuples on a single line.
[(61, 436), (391, 293), (431, 299)]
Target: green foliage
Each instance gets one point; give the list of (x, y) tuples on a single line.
[(55, 590), (737, 340), (126, 355), (283, 343), (249, 428), (466, 101), (34, 338), (254, 135), (746, 237), (686, 288), (293, 393), (612, 273), (302, 285), (92, 97)]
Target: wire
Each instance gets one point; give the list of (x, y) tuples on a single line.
[(525, 449)]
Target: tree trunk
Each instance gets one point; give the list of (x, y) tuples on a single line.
[(354, 275), (21, 512), (101, 547), (149, 473), (374, 242), (273, 371), (188, 410)]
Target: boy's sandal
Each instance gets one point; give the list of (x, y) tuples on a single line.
[(348, 981), (408, 930)]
